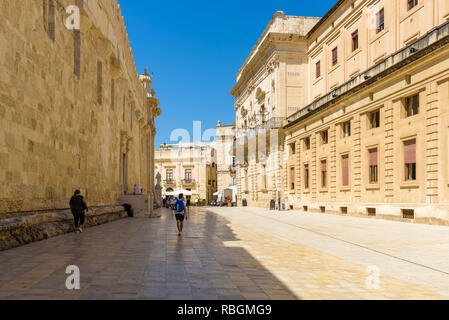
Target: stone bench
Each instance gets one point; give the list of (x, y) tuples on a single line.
[(21, 228)]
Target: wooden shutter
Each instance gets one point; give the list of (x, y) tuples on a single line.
[(345, 169), (410, 151), (373, 157)]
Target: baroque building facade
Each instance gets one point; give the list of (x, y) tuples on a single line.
[(371, 136), (226, 161), (187, 166), (74, 112)]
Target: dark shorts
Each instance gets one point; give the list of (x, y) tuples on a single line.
[(179, 217)]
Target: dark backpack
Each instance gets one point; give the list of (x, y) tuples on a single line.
[(179, 206)]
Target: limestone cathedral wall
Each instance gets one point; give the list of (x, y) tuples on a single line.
[(74, 113)]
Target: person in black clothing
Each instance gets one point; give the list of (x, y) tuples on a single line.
[(78, 205), (188, 204)]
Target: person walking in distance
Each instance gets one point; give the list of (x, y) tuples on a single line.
[(181, 213), (188, 204), (78, 205)]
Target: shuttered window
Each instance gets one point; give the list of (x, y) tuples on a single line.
[(410, 159), (292, 178), (380, 17), (99, 82), (323, 173), (77, 53), (306, 176), (113, 94), (355, 40), (373, 166), (345, 170), (411, 105), (334, 56)]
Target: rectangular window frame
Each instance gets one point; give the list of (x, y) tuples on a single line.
[(323, 163), (169, 175), (380, 20), (324, 137), (346, 129), (188, 174), (318, 69), (411, 4), (292, 178), (306, 176), (374, 119), (373, 171), (411, 105), (343, 185), (307, 143), (355, 40), (410, 168), (335, 56)]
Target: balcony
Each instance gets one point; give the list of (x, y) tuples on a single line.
[(170, 182), (188, 182)]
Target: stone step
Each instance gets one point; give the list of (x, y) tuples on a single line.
[(22, 228)]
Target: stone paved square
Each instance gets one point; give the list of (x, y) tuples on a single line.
[(234, 253)]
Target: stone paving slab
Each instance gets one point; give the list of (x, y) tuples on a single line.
[(225, 253)]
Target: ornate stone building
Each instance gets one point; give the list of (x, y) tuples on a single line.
[(371, 136), (226, 161), (269, 88), (188, 166), (74, 113)]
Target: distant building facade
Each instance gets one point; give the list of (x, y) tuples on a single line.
[(371, 135), (74, 113), (226, 160), (188, 166)]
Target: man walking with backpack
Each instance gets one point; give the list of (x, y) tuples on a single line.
[(181, 213)]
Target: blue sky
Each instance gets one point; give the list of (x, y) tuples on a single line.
[(195, 48)]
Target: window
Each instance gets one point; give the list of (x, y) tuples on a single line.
[(345, 170), (335, 56), (49, 18), (411, 106), (264, 177), (410, 160), (412, 4), (307, 143), (188, 174), (318, 69), (374, 119), (99, 82), (373, 166), (113, 95), (169, 175), (324, 137), (346, 129), (292, 148), (306, 176), (292, 178), (323, 173), (355, 40), (77, 53), (380, 20)]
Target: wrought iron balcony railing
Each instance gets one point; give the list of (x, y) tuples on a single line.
[(188, 182), (170, 182)]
